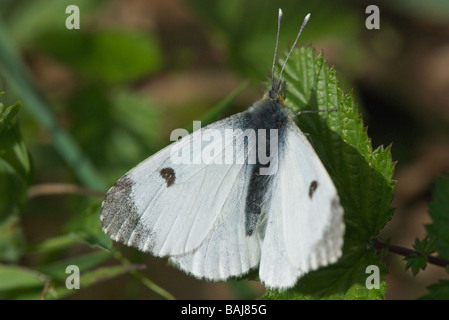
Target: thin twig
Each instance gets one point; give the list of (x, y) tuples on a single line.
[(45, 290), (147, 282), (50, 189), (379, 245)]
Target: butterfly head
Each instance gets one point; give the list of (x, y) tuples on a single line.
[(277, 91)]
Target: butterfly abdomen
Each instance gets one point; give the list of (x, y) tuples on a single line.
[(269, 119)]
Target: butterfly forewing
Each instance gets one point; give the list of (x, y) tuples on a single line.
[(169, 208)]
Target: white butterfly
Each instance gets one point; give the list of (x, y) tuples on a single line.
[(220, 220)]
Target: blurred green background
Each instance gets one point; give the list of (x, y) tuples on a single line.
[(99, 100)]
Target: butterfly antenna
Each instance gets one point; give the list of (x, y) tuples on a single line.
[(306, 19), (315, 111), (277, 41)]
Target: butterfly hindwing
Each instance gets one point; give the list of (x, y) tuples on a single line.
[(304, 227)]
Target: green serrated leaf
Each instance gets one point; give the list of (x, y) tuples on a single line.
[(363, 177), (426, 246), (416, 263), (439, 212)]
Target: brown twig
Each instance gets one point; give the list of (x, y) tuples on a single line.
[(45, 289), (379, 245), (50, 189)]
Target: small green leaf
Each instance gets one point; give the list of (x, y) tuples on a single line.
[(426, 246), (416, 262)]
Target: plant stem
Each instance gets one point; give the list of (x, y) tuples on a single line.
[(51, 189), (145, 281), (379, 245)]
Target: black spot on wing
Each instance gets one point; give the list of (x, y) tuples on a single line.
[(168, 174), (312, 188)]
